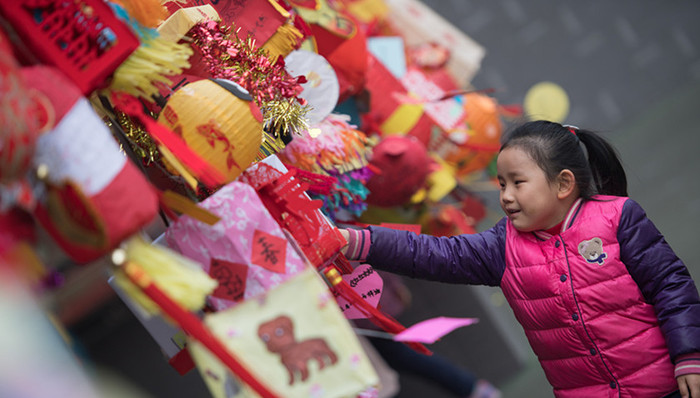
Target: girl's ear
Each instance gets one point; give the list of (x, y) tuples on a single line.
[(567, 184)]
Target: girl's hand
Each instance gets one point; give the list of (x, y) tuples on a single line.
[(689, 385), (346, 236)]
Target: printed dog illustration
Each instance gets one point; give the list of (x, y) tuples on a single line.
[(278, 336)]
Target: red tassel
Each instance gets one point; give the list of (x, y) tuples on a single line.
[(343, 265), (377, 317)]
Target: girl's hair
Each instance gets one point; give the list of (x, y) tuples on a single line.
[(555, 147)]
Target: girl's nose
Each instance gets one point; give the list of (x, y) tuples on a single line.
[(506, 195)]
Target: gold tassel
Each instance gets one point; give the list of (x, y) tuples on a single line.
[(182, 279), (283, 41), (150, 64), (270, 145), (286, 116)]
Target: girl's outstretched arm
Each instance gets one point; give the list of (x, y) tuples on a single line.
[(469, 259)]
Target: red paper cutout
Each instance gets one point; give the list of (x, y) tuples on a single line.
[(269, 251), (285, 198), (232, 279)]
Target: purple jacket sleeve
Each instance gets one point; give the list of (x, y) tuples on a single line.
[(477, 259), (663, 279)]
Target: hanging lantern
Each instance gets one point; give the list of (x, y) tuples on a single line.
[(219, 121), (403, 165), (479, 143)]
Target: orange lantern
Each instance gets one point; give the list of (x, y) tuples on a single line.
[(480, 141), (219, 121)]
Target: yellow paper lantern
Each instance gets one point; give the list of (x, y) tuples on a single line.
[(218, 120)]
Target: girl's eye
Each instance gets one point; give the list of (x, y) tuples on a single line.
[(518, 182)]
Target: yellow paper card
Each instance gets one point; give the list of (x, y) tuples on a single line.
[(294, 339)]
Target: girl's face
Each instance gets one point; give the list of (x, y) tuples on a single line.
[(529, 200)]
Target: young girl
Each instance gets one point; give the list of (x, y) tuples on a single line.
[(606, 305)]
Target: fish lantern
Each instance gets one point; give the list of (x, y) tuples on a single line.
[(403, 166), (479, 143), (219, 121)]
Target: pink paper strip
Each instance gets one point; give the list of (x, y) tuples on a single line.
[(430, 330)]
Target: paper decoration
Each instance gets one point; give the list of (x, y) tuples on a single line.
[(321, 88), (175, 28), (390, 113), (446, 113), (285, 198), (257, 19), (217, 120), (475, 144), (295, 340), (269, 251), (446, 220), (232, 279), (183, 19), (418, 24), (429, 331), (368, 284), (148, 68), (338, 39), (83, 39), (20, 112), (236, 239), (335, 149), (429, 56), (389, 50), (95, 197)]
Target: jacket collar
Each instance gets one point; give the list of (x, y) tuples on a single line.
[(568, 221)]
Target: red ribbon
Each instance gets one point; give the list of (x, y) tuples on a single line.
[(209, 175)]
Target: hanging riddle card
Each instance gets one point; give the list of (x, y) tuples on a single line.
[(293, 339)]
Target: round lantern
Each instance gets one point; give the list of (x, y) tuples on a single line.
[(479, 143), (403, 165), (219, 121)]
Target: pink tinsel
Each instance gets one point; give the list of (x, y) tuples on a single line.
[(229, 57)]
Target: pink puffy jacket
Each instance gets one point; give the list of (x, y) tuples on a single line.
[(561, 291), (606, 304)]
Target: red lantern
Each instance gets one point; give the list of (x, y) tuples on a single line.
[(403, 165)]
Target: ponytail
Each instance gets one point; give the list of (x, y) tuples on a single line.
[(608, 174), (554, 148)]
